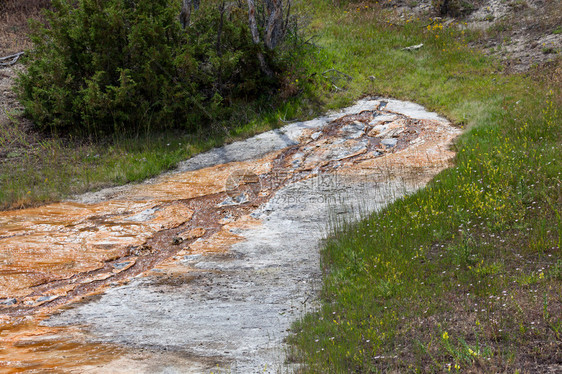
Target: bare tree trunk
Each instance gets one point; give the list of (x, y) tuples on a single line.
[(252, 20), (185, 15), (256, 37), (274, 26)]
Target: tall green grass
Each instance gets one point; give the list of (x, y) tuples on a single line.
[(463, 275)]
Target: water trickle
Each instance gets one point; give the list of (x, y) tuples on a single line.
[(54, 255)]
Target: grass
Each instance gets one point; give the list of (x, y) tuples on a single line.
[(38, 168), (463, 275)]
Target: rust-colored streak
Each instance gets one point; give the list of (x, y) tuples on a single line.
[(60, 240), (53, 254), (28, 347), (422, 157), (193, 184), (56, 254)]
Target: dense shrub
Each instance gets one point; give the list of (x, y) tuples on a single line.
[(119, 65)]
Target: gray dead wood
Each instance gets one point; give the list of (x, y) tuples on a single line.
[(14, 59)]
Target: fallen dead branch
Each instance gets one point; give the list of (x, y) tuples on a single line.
[(14, 59)]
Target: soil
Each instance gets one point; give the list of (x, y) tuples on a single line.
[(14, 27)]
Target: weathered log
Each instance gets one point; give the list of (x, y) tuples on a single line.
[(256, 37), (14, 59)]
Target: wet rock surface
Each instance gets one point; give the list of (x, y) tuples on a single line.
[(209, 265), (239, 306)]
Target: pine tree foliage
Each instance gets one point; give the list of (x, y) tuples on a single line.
[(114, 65)]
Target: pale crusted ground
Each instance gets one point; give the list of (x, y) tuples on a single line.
[(226, 302)]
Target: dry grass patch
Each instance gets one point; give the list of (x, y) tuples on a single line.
[(14, 18)]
